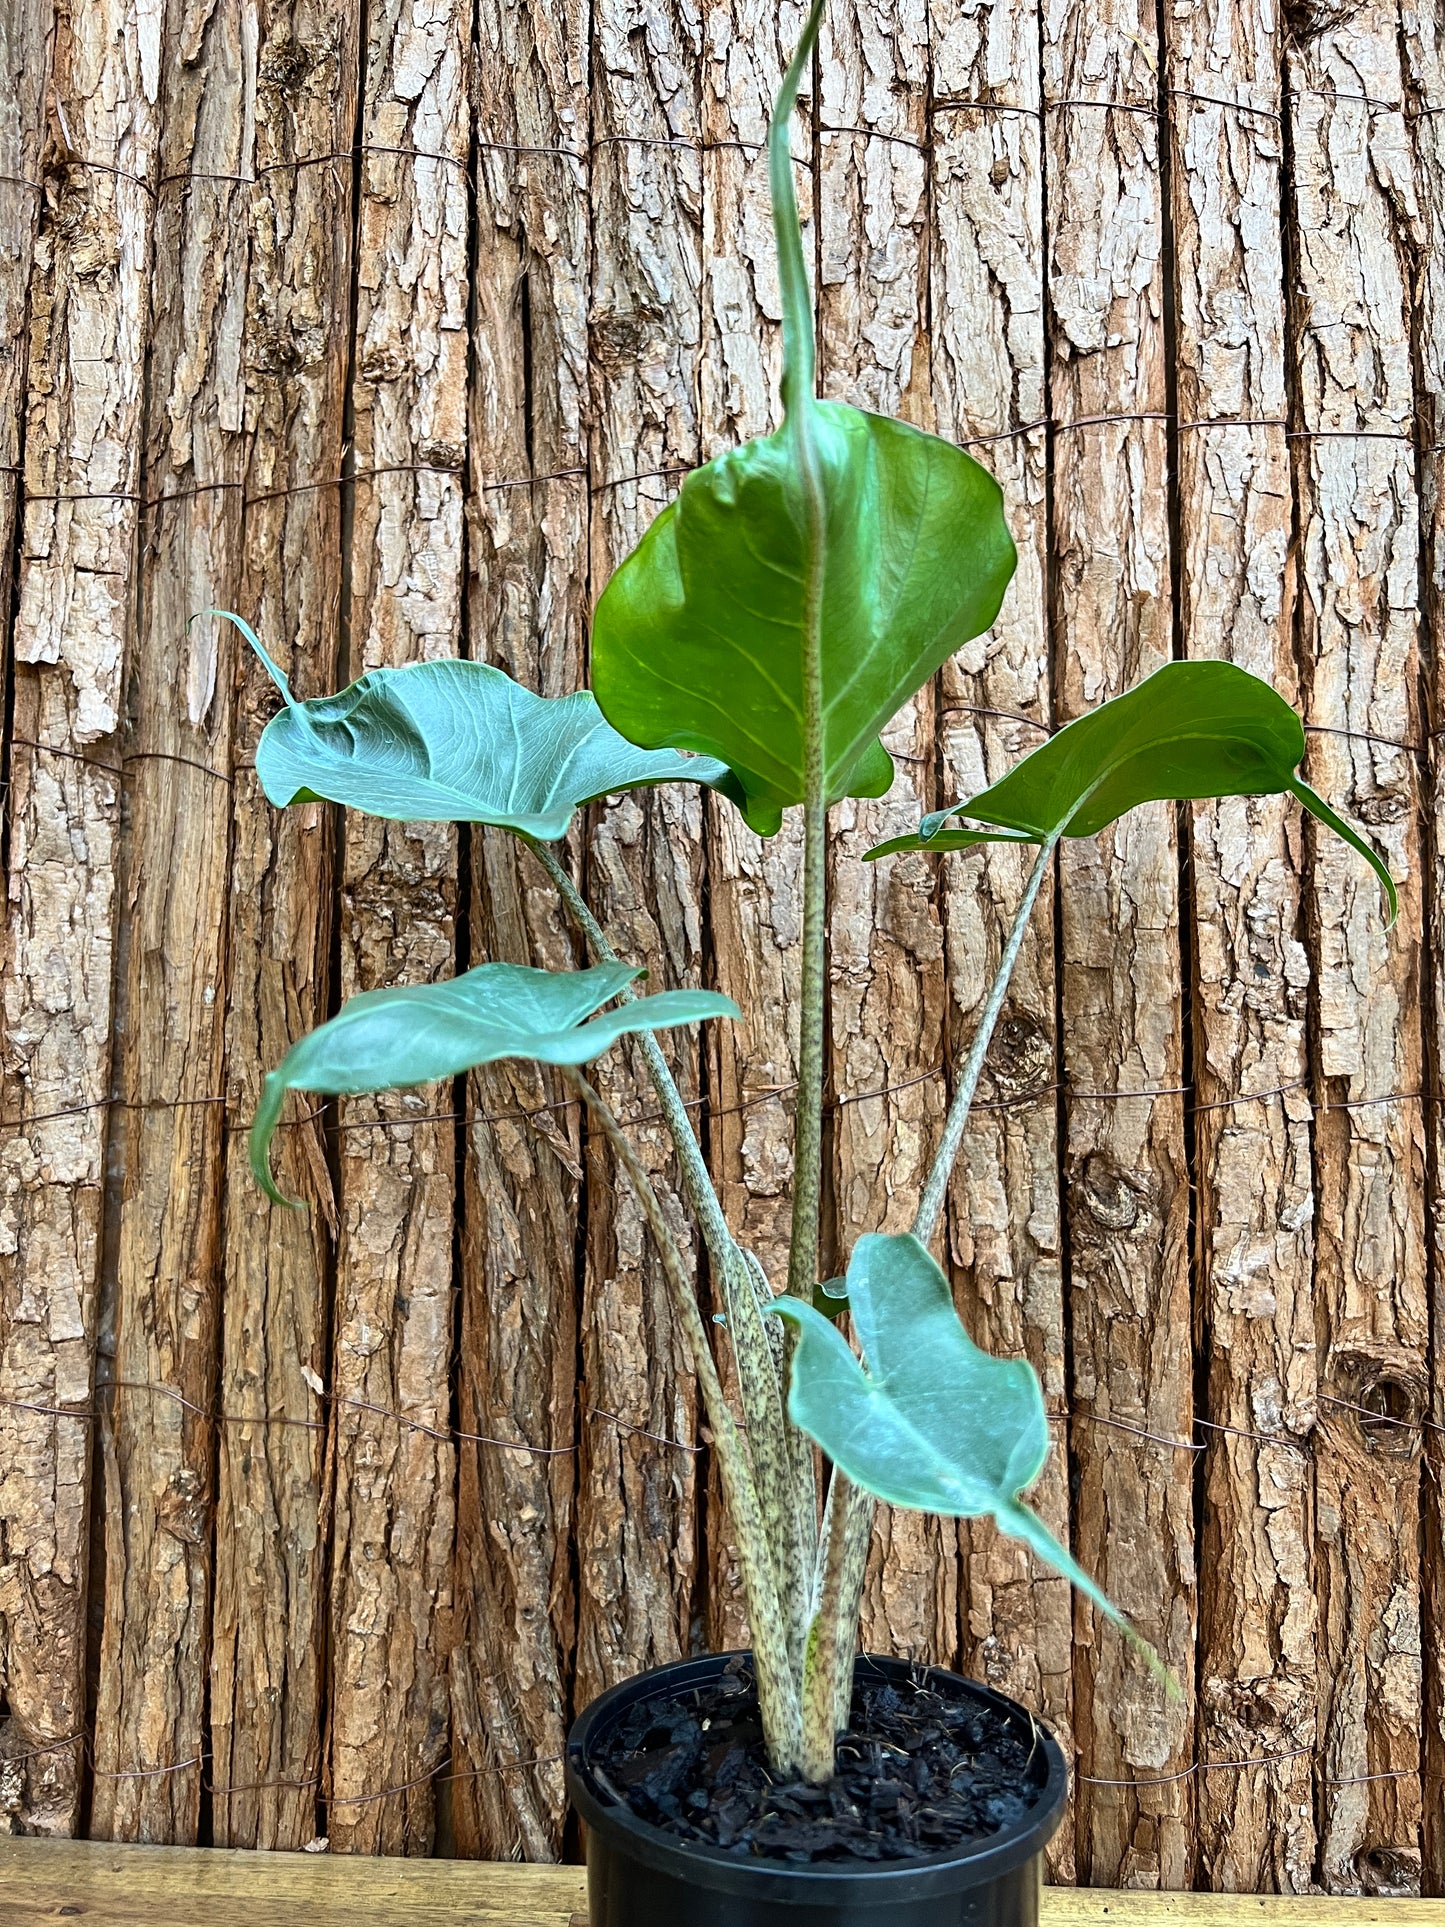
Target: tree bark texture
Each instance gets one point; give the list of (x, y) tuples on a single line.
[(1120, 991), (1357, 220), (1424, 45), (1253, 1232), (268, 1651), (160, 1309), (639, 1487), (393, 328), (527, 589), (394, 1313), (72, 633), (995, 705)]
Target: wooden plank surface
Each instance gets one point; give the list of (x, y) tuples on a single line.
[(161, 1311), (393, 1320), (1005, 1235), (1424, 47), (108, 1886), (527, 609), (638, 1515)]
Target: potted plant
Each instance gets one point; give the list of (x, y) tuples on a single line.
[(765, 630)]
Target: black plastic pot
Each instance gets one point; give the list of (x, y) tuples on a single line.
[(639, 1876)]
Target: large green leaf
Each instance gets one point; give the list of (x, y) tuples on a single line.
[(458, 742), (1189, 731), (933, 1423), (698, 641), (421, 1033)]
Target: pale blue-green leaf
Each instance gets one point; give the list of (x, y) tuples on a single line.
[(458, 742), (933, 1422), (421, 1033)]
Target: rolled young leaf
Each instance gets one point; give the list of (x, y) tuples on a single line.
[(1191, 730), (458, 742), (420, 1033), (933, 1423)]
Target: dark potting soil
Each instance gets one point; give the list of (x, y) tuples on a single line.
[(919, 1772)]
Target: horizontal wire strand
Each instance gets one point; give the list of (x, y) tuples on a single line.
[(458, 1435), (1058, 425), (768, 1094), (447, 1770), (1149, 109)]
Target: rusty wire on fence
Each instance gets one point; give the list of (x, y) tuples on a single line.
[(769, 1094), (1149, 109), (450, 1434), (447, 1770)]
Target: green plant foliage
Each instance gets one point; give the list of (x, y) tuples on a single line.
[(830, 1297), (803, 586), (1189, 731), (458, 742), (698, 640), (933, 1423), (420, 1033)]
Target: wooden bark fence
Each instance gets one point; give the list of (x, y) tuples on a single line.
[(392, 328)]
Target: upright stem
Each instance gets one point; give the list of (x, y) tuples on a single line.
[(785, 1490), (808, 1118), (778, 1699), (849, 1524), (930, 1205), (696, 1177), (833, 1639)]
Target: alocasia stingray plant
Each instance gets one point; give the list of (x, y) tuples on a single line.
[(767, 627)]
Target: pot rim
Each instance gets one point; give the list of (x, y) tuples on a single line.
[(975, 1863)]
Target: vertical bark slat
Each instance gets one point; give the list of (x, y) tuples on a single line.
[(89, 301), (268, 1676), (885, 981), (1424, 46), (25, 47), (1126, 1197), (391, 1582), (1005, 1238), (637, 1525), (1255, 1237), (1355, 224), (24, 69), (755, 906), (527, 588), (170, 1008)]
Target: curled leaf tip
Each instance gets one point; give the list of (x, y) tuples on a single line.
[(268, 1113), (1318, 808), (273, 669)]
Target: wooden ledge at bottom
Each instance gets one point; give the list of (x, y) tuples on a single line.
[(96, 1885)]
